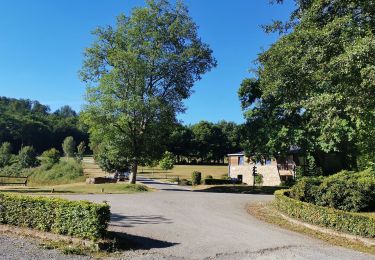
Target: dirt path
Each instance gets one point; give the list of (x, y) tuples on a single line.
[(177, 224)]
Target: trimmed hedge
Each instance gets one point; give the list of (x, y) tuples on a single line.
[(220, 181), (326, 217), (196, 178), (81, 219)]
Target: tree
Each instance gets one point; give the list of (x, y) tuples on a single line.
[(81, 149), (315, 86), (5, 154), (138, 74), (68, 146), (27, 157), (167, 162), (51, 156)]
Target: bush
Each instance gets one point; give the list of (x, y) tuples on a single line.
[(27, 157), (345, 191), (5, 154), (259, 179), (68, 146), (73, 218), (167, 162), (209, 177), (66, 171), (220, 181), (196, 178), (184, 182), (51, 156), (326, 217)]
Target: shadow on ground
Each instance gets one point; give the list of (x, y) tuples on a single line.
[(130, 221), (242, 189), (131, 242)]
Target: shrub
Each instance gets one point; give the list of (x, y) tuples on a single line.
[(209, 177), (184, 182), (73, 218), (27, 157), (50, 156), (68, 146), (305, 189), (259, 179), (167, 162), (66, 171), (220, 181), (81, 149), (196, 178), (5, 154), (225, 177), (345, 191), (326, 217)]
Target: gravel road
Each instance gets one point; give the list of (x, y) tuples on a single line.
[(175, 223)]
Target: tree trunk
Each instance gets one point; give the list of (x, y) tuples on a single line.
[(133, 174)]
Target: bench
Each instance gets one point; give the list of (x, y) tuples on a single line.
[(13, 180)]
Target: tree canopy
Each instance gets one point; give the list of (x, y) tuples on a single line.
[(315, 87), (138, 74)]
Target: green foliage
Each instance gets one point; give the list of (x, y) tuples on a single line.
[(314, 86), (81, 149), (50, 157), (14, 169), (27, 157), (209, 177), (25, 122), (5, 154), (184, 182), (220, 181), (73, 218), (167, 162), (259, 179), (63, 172), (196, 178), (326, 217), (68, 146), (139, 72), (345, 191)]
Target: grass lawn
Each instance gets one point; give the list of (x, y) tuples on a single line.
[(79, 188), (184, 171), (368, 214)]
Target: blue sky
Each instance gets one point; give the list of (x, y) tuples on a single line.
[(42, 41)]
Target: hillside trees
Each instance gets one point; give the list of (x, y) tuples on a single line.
[(315, 86), (138, 74)]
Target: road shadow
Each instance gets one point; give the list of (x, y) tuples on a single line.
[(262, 190), (122, 241), (131, 221)]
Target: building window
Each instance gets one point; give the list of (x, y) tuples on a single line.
[(240, 160)]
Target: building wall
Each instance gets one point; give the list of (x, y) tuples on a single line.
[(270, 173)]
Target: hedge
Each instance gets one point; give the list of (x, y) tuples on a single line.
[(326, 217), (220, 181), (81, 219)]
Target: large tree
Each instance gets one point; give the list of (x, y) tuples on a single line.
[(315, 87), (138, 74)]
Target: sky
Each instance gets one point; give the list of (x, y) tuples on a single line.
[(42, 42)]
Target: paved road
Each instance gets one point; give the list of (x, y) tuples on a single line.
[(174, 223)]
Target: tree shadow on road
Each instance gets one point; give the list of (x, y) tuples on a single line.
[(130, 221), (124, 241)]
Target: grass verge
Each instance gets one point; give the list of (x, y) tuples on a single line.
[(268, 213), (80, 188)]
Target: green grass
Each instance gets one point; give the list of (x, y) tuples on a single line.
[(66, 171), (184, 171), (80, 188)]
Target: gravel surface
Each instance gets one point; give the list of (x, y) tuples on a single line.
[(12, 248), (175, 223)]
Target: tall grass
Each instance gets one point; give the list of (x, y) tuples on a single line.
[(66, 171)]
